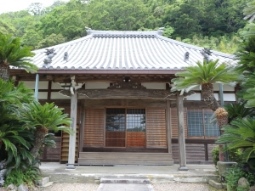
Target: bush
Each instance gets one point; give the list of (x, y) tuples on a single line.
[(26, 176), (233, 155), (234, 174)]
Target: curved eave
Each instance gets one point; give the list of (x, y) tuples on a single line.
[(65, 71)]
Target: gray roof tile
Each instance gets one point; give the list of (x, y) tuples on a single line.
[(124, 50)]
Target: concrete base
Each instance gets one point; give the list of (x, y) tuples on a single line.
[(217, 185), (183, 168), (224, 166), (70, 167)]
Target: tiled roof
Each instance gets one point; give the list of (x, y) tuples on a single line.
[(123, 51)]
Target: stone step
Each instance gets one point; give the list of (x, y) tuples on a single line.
[(124, 180), (44, 182)]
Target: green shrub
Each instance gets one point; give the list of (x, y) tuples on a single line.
[(233, 155), (235, 173), (26, 176), (16, 177)]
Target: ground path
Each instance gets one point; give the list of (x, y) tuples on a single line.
[(157, 187)]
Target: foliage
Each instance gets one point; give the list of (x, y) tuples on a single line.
[(23, 176), (235, 173), (202, 73), (16, 139), (226, 43), (214, 20), (249, 11), (41, 119), (246, 65), (233, 155), (238, 110), (49, 115), (12, 53), (240, 134), (51, 40), (118, 15)]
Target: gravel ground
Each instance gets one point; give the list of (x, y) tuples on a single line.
[(157, 187)]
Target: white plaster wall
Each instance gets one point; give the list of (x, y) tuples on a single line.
[(57, 95), (42, 85), (195, 97), (55, 85), (226, 97), (42, 95), (226, 87), (154, 85)]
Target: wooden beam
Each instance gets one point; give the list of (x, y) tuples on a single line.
[(123, 93)]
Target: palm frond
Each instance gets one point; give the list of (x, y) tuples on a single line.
[(202, 73), (240, 134)]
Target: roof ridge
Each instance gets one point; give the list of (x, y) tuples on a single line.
[(116, 33)]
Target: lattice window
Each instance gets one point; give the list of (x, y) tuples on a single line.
[(115, 120), (136, 120), (200, 124), (125, 127)]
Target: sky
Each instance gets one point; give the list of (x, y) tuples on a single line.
[(16, 5)]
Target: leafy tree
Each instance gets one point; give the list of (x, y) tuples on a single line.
[(36, 8), (117, 14), (66, 20), (12, 53), (51, 40), (43, 118), (184, 18)]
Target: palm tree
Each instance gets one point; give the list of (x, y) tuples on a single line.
[(43, 118), (15, 140), (249, 11), (13, 53), (205, 74)]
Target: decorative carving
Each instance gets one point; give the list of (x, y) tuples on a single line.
[(125, 93), (50, 53), (66, 56), (126, 83), (206, 52)]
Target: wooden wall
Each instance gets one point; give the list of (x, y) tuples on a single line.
[(94, 128), (156, 128)]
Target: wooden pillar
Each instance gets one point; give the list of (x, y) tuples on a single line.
[(168, 126), (181, 140), (72, 137), (36, 86)]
